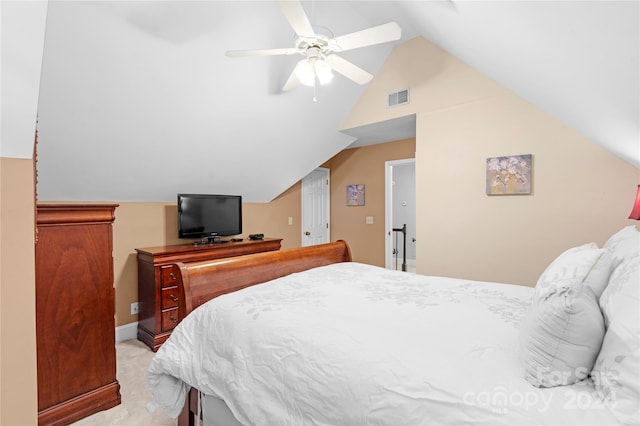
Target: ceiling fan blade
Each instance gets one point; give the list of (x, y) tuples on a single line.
[(375, 35), (292, 82), (262, 52), (295, 14), (349, 70)]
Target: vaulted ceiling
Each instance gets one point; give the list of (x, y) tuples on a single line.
[(138, 101)]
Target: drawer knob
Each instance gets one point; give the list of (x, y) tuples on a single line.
[(173, 298), (172, 318), (173, 277)]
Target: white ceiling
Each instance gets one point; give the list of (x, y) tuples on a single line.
[(138, 101)]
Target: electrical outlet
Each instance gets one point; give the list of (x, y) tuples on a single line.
[(135, 308), (290, 220)]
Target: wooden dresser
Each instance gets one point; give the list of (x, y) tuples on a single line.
[(158, 293), (75, 307)]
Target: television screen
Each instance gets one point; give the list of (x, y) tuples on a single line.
[(209, 216)]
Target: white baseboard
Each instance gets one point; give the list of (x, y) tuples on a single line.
[(410, 262), (127, 332)]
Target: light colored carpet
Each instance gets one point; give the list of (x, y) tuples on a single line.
[(132, 360)]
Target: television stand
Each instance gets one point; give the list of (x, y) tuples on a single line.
[(158, 292)]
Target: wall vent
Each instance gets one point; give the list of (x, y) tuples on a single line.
[(399, 98)]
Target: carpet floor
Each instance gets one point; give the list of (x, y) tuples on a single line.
[(132, 360)]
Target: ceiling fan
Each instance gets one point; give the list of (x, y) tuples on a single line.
[(318, 46)]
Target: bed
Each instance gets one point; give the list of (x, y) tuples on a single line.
[(306, 336)]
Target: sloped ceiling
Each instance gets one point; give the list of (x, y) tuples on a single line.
[(138, 101)]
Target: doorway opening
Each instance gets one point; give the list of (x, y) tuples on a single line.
[(400, 214)]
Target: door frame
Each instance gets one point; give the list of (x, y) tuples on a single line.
[(388, 208)]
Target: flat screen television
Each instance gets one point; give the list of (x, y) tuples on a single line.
[(209, 216)]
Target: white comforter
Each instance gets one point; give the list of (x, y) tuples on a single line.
[(354, 344)]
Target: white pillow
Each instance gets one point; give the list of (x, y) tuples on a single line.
[(586, 264), (561, 335), (616, 373), (624, 244)]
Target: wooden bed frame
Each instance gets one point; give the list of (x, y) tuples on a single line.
[(202, 281)]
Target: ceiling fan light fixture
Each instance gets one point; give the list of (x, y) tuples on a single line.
[(323, 71), (305, 72), (308, 69)]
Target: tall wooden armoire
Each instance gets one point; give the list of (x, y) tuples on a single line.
[(75, 306)]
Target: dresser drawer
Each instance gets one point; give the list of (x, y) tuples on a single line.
[(160, 291), (167, 276), (170, 297), (170, 319)]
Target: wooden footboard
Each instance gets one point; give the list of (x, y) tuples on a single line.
[(200, 282)]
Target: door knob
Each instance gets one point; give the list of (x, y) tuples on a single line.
[(307, 233)]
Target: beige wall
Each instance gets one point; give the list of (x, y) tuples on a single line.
[(364, 165), (272, 219), (581, 192), (18, 381), (23, 28)]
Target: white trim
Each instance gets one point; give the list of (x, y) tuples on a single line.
[(392, 262), (409, 261), (127, 332), (388, 208)]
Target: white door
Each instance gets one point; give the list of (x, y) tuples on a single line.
[(315, 207)]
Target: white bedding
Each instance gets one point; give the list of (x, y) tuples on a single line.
[(353, 344)]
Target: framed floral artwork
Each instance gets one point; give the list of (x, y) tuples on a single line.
[(509, 175), (355, 195)]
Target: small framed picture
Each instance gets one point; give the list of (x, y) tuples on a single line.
[(355, 195), (509, 175)]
